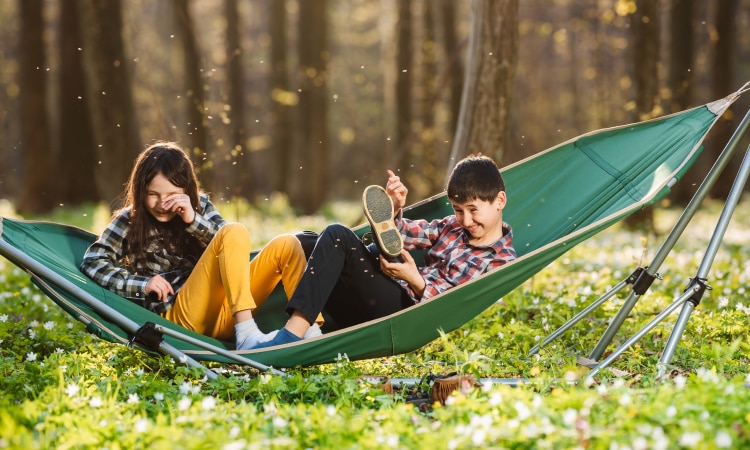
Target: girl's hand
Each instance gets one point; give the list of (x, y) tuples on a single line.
[(161, 287), (179, 204), (396, 189)]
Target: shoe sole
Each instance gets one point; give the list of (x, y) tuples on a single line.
[(378, 209)]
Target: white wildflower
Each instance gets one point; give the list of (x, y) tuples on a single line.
[(479, 437), (187, 388), (3, 317), (49, 325), (159, 396), (331, 410), (72, 390), (31, 356), (279, 422), (208, 403), (679, 381), (691, 439), (671, 411), (133, 398), (640, 443), (570, 416), (95, 402), (141, 425), (184, 403), (723, 440), (523, 411)]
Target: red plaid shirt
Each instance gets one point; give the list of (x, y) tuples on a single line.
[(450, 259)]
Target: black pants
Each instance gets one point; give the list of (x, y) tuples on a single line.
[(343, 278)]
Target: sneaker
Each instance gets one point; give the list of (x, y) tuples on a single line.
[(378, 208)]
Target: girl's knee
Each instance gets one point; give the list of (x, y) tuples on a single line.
[(235, 233), (287, 244)]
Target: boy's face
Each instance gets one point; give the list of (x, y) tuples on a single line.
[(481, 219)]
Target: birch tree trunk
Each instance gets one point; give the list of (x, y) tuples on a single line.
[(484, 121)]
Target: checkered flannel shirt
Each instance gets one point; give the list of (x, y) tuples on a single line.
[(103, 261), (451, 260)]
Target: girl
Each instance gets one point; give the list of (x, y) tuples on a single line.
[(169, 249)]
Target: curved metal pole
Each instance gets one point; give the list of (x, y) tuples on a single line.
[(578, 317), (713, 247), (690, 299), (20, 259), (666, 247)]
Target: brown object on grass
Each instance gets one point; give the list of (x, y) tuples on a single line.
[(442, 388)]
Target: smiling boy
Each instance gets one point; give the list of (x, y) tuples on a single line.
[(355, 283)]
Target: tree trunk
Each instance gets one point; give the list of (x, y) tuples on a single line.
[(404, 64), (681, 54), (110, 95), (453, 58), (196, 112), (313, 106), (282, 99), (77, 154), (645, 32), (240, 174), (38, 192), (430, 167), (721, 85), (681, 60), (484, 121)]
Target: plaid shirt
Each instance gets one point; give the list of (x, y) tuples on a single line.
[(103, 261), (450, 259)]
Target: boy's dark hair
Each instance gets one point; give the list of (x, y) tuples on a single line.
[(475, 177)]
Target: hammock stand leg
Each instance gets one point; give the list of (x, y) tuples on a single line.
[(20, 259), (693, 294), (219, 351), (642, 278)]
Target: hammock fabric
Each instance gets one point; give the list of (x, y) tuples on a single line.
[(556, 199)]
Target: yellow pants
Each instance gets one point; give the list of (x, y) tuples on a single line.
[(225, 281)]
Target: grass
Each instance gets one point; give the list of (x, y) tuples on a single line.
[(61, 387)]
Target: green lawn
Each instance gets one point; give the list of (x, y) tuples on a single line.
[(63, 388)]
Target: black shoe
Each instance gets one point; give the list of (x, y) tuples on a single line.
[(378, 208)]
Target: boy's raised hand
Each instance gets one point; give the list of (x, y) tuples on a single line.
[(396, 189)]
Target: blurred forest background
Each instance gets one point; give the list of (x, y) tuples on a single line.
[(317, 98)]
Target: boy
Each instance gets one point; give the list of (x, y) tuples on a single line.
[(355, 283)]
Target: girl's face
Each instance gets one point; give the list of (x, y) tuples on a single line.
[(159, 190)]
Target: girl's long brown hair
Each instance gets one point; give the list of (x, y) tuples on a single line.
[(169, 159)]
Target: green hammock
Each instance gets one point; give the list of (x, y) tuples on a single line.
[(556, 199)]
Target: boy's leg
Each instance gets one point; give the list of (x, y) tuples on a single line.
[(344, 274), (358, 298)]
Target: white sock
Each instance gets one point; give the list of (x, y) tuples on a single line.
[(248, 335), (313, 331)]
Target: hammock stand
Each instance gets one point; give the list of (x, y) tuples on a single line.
[(557, 199), (643, 277)]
